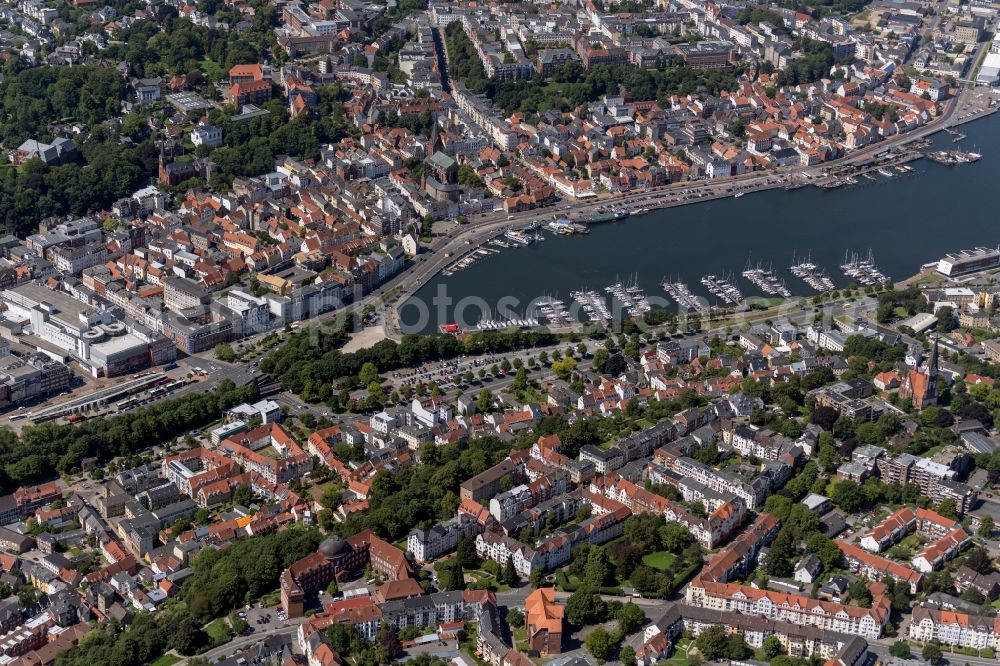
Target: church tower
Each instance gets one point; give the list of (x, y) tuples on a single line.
[(932, 374)]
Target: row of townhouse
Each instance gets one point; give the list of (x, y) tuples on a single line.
[(935, 554), (798, 640), (432, 610), (740, 557), (901, 523), (606, 523), (522, 497), (750, 440), (958, 629), (876, 568), (442, 538), (854, 620), (720, 524), (753, 492)]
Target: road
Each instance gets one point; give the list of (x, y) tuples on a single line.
[(241, 642), (445, 249)]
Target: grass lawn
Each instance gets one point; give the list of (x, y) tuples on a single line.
[(679, 657), (930, 278), (659, 560), (218, 631), (979, 64), (212, 69), (165, 660)]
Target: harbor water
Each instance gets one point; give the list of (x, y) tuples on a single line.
[(904, 219)]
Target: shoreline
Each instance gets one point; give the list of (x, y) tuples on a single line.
[(458, 242)]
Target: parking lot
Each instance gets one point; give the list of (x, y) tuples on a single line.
[(259, 618)]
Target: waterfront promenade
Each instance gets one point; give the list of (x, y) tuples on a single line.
[(447, 248)]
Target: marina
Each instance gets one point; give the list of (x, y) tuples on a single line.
[(554, 312), (863, 270), (683, 297), (811, 274), (503, 241), (766, 280), (503, 324), (899, 218), (632, 298), (722, 289), (593, 305)]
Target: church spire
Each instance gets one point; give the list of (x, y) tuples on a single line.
[(932, 364), (932, 374)]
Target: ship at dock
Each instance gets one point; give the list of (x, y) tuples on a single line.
[(503, 241), (863, 269), (722, 289), (811, 274), (504, 324), (554, 312), (608, 215), (594, 307), (565, 227), (766, 280), (953, 157), (631, 296), (681, 295)]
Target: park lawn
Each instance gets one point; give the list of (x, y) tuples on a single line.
[(660, 560), (212, 69), (679, 657), (165, 660), (218, 631)]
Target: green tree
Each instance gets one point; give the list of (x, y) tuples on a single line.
[(599, 643), (781, 555), (510, 573), (451, 576), (597, 570), (224, 352), (932, 652), (848, 496), (674, 536), (520, 382), (484, 402), (948, 508), (537, 578), (986, 527), (627, 655), (772, 647), (630, 618), (737, 648), (900, 649), (368, 373), (585, 607), (712, 642)]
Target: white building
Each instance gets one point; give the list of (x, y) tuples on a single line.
[(206, 135)]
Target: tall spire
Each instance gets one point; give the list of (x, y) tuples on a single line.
[(932, 374), (932, 364)]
